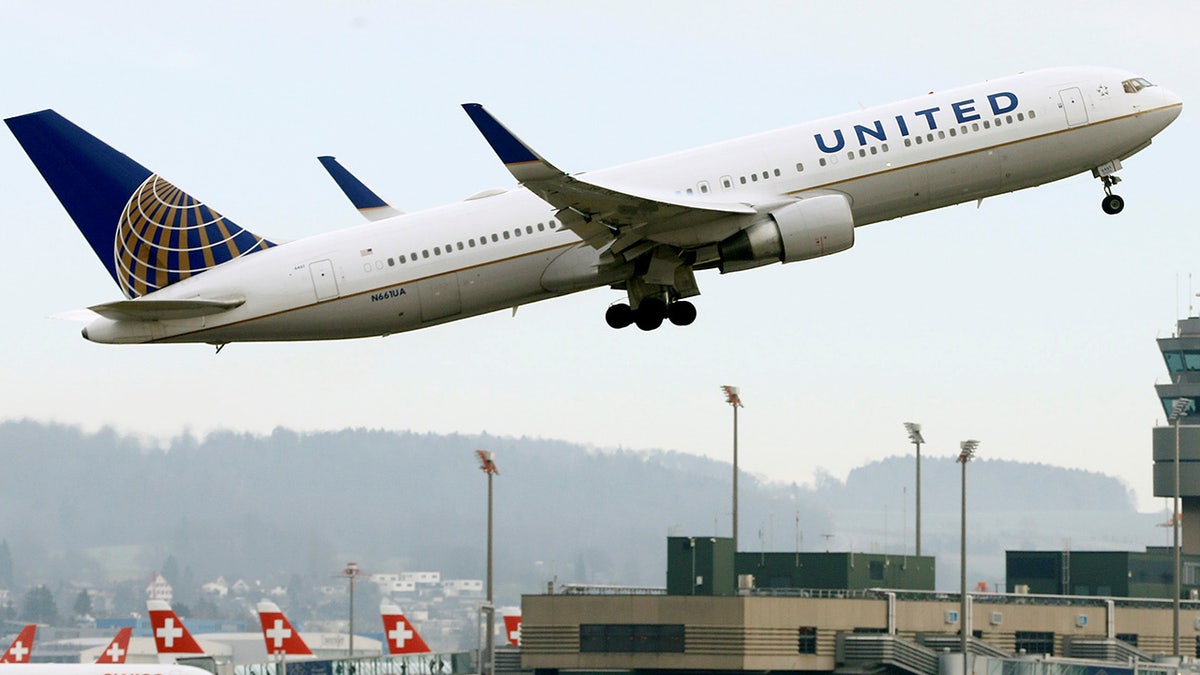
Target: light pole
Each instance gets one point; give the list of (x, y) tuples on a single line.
[(1179, 410), (487, 463), (967, 451), (914, 435), (350, 573), (732, 398)]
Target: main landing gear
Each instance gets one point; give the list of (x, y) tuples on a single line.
[(650, 313)]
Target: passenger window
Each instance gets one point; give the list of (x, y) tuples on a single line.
[(799, 167), (1032, 114), (953, 132), (776, 173), (850, 155), (727, 182), (987, 125), (942, 135), (919, 141), (483, 241), (517, 232), (528, 229), (425, 253), (929, 137), (689, 191), (874, 150), (884, 147), (754, 177), (1020, 117), (402, 260), (437, 250), (975, 126), (766, 175), (743, 180), (908, 142), (862, 152), (459, 245), (541, 227), (822, 162), (703, 188), (553, 224), (1008, 118), (391, 262), (496, 238), (414, 256), (471, 243), (506, 236)]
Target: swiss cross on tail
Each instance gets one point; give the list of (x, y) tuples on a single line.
[(18, 651), (278, 633), (401, 636), (170, 635), (116, 650), (512, 625)]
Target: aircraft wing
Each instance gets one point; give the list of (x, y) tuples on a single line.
[(601, 216), (151, 310)]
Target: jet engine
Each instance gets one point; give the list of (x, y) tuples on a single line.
[(808, 228)]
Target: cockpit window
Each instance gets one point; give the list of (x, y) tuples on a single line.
[(1136, 84)]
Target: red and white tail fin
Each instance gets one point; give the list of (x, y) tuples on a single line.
[(171, 637), (22, 645), (117, 649), (401, 636), (512, 625), (278, 633)]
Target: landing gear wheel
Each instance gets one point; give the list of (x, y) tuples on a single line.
[(650, 313), (1112, 204), (681, 313), (619, 315)]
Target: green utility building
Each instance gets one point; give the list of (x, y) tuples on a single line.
[(709, 566), (1121, 574)]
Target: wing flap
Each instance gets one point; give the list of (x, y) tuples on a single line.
[(154, 310)]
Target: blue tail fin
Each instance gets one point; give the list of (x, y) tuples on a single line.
[(148, 233)]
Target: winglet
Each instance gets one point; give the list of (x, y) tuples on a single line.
[(399, 633), (523, 163), (116, 650), (278, 633), (170, 635), (22, 645), (367, 202)]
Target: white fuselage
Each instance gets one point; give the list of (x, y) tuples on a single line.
[(500, 251)]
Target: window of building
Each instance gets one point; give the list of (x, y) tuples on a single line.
[(875, 570), (631, 638), (807, 640), (1035, 642), (1130, 639)]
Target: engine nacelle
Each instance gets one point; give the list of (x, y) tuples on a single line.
[(809, 228)]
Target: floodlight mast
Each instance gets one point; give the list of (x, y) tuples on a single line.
[(914, 436), (350, 573), (1179, 410), (487, 463), (967, 451), (735, 401)]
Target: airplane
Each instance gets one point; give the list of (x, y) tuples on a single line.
[(399, 633), (512, 625), (117, 650), (22, 646), (172, 639), (280, 638), (189, 274)]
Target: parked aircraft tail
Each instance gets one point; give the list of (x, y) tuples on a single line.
[(512, 625), (401, 636), (148, 233), (171, 637), (22, 645), (116, 650), (280, 637)]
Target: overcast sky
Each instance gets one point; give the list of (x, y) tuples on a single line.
[(1028, 323)]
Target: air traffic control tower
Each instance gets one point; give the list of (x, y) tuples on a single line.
[(1182, 354)]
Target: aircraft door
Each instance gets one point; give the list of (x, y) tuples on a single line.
[(324, 281), (1072, 104), (440, 297)]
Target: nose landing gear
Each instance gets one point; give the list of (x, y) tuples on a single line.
[(1112, 204)]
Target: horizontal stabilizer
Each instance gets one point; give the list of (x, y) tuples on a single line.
[(364, 199), (155, 310)]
